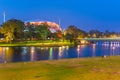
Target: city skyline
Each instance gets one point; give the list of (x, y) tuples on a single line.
[(86, 15)]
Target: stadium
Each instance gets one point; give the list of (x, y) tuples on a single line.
[(53, 26)]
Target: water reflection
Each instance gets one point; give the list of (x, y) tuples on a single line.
[(32, 52), (6, 54), (61, 51), (51, 53), (2, 54), (17, 54), (93, 49), (78, 50), (113, 47)]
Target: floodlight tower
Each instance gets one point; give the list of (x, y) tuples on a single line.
[(4, 16), (59, 23)]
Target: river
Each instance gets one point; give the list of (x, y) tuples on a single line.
[(23, 54)]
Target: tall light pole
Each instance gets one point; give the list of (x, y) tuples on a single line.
[(59, 23), (4, 16), (61, 28)]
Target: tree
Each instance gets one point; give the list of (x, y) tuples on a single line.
[(19, 30), (29, 31), (42, 31), (72, 33), (69, 37), (57, 35), (12, 29), (95, 34)]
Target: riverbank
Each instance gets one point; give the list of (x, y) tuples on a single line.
[(38, 43), (67, 69)]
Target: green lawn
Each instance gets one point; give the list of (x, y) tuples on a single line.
[(38, 43), (66, 69)]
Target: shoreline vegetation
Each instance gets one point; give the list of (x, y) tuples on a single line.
[(38, 43), (16, 32), (95, 68)]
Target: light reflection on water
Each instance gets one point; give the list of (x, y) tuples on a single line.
[(20, 54), (51, 53)]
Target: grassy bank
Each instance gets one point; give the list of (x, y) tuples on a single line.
[(68, 69), (38, 43)]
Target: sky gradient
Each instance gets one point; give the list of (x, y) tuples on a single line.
[(85, 14)]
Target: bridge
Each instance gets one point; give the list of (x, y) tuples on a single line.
[(100, 39)]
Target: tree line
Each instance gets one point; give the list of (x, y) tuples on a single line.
[(15, 30)]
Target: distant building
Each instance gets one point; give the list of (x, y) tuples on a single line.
[(53, 26)]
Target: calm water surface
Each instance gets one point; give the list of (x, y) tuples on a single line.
[(21, 54)]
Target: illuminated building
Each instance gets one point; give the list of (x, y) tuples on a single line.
[(53, 26)]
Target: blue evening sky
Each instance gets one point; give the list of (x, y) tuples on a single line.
[(85, 14)]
